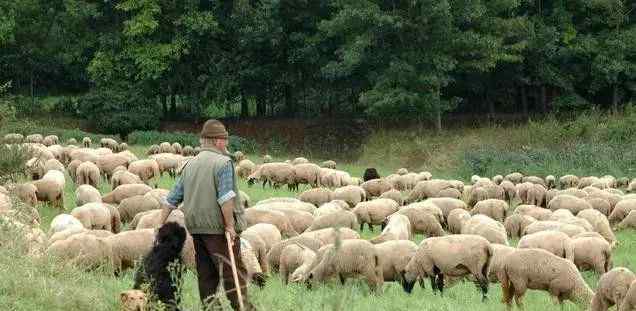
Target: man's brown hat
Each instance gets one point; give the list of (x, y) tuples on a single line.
[(213, 129)]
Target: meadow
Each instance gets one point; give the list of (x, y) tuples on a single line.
[(38, 284)]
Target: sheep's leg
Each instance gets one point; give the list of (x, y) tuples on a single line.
[(439, 280), (370, 227), (519, 291), (342, 279), (361, 226)]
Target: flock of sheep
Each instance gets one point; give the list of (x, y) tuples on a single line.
[(565, 225)]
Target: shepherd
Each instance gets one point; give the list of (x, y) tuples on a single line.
[(209, 192)]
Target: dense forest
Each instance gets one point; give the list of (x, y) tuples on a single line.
[(139, 61)]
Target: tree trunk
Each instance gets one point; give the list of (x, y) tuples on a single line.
[(615, 98), (173, 108), (544, 99), (438, 112), (32, 90), (260, 106), (524, 101), (165, 104), (245, 109), (289, 103)]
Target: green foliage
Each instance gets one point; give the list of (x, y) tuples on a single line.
[(115, 111), (147, 138), (12, 162)]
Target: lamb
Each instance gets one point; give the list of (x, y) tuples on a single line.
[(316, 196), (350, 194), (87, 194), (538, 269), (600, 223), (98, 216), (621, 210), (273, 255), (592, 254), (128, 208), (493, 208), (423, 221), (394, 195), (338, 219), (259, 247), (125, 191), (251, 264), (557, 243), (456, 219), (486, 227), (51, 188), (293, 257), (84, 250), (330, 235), (451, 256), (63, 222), (612, 288), (87, 174), (146, 170), (533, 211), (396, 255), (374, 212), (398, 228), (245, 168), (269, 233), (569, 229), (516, 224), (353, 257), (376, 187), (255, 216)]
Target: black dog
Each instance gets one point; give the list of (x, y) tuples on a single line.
[(370, 173), (155, 268)]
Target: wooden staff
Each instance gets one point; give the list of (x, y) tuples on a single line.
[(237, 284)]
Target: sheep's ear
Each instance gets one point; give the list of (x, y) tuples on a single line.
[(123, 297)]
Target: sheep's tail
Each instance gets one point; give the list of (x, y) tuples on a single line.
[(507, 287), (379, 272), (484, 270)]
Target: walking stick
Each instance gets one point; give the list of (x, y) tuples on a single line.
[(237, 284)]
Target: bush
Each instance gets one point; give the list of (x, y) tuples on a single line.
[(12, 162), (115, 111)]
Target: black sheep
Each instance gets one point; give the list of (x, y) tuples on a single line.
[(370, 173)]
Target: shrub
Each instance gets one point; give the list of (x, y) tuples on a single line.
[(12, 162)]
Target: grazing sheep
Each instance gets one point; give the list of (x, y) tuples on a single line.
[(245, 168), (130, 246), (568, 181), (188, 151), (153, 149), (493, 208), (599, 204), (456, 219), (269, 233), (128, 208), (53, 164), (428, 189), (299, 219), (34, 138), (27, 193), (374, 212), (629, 303), (259, 247), (550, 182), (538, 269), (569, 229), (98, 216), (452, 256), (82, 250), (146, 170), (277, 200), (87, 174), (316, 196), (176, 147), (165, 147), (276, 174), (592, 254), (516, 224), (307, 174), (628, 222), (352, 257), (396, 255), (121, 176), (394, 195), (292, 258), (107, 163), (273, 255), (398, 227), (600, 224), (87, 194), (154, 219), (329, 208), (280, 220), (329, 164), (612, 288), (299, 160), (533, 211), (497, 259), (350, 194), (376, 187), (423, 221), (63, 222), (557, 243), (108, 143), (486, 227), (571, 203), (252, 266), (533, 179), (51, 188), (330, 235), (338, 219), (125, 191), (13, 138), (515, 178), (566, 217), (621, 210)]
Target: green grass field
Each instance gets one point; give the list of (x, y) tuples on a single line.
[(42, 284)]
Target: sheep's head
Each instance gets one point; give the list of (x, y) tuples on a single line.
[(133, 300), (407, 285)]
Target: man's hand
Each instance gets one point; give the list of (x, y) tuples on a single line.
[(232, 233)]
